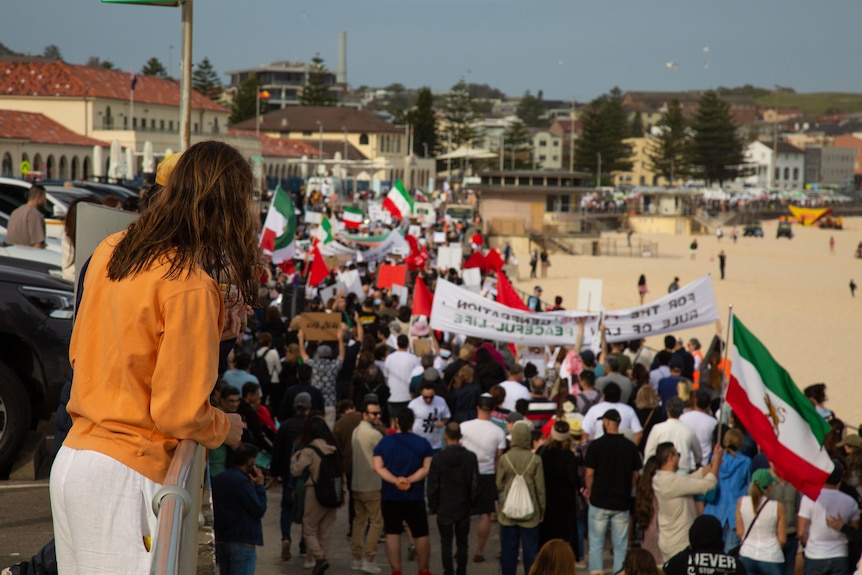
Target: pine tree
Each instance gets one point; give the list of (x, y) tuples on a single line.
[(604, 128), (716, 152), (206, 81), (461, 116), (96, 62), (516, 140), (637, 125), (667, 151), (245, 104), (154, 67), (316, 90), (424, 123), (52, 52), (531, 109)]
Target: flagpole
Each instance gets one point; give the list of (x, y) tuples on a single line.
[(723, 368)]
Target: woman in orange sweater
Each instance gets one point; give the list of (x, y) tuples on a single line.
[(145, 351)]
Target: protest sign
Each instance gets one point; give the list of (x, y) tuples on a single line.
[(320, 326), (472, 278), (402, 292), (376, 213), (421, 346), (690, 306), (393, 244), (439, 237), (414, 231), (589, 294), (313, 217), (390, 274), (352, 283), (424, 212), (450, 257)]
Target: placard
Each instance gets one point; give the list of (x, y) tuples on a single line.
[(402, 292), (472, 278), (589, 294), (439, 237), (421, 346), (389, 274), (352, 283), (450, 257), (313, 217), (320, 326), (376, 213), (414, 231)]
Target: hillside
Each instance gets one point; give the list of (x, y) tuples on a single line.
[(815, 104)]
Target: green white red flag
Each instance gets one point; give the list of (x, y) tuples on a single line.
[(780, 419), (398, 201), (352, 217), (324, 231), (279, 229)]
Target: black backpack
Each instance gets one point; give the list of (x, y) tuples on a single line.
[(329, 485), (260, 369)]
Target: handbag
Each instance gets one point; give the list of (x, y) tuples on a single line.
[(734, 552)]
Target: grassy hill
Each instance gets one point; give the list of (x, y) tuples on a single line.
[(815, 104)]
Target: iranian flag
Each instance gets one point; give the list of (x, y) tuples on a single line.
[(279, 228), (398, 201), (778, 416), (352, 217), (324, 231), (422, 196)]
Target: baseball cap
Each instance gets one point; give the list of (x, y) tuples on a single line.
[(851, 440), (588, 357), (538, 289), (302, 399), (612, 415)]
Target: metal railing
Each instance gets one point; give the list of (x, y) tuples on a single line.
[(177, 506)]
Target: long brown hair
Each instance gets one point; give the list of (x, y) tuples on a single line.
[(639, 561), (202, 217), (645, 495), (555, 558)]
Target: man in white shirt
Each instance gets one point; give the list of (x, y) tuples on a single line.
[(662, 369), (611, 400), (397, 368), (487, 440), (826, 549), (702, 423), (432, 413), (676, 432), (515, 390)]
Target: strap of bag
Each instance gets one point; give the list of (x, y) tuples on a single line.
[(320, 455), (753, 521), (526, 469), (649, 417)]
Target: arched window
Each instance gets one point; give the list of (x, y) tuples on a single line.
[(108, 123), (795, 174), (73, 173), (786, 174), (215, 126), (36, 164), (49, 167), (363, 140), (85, 169), (8, 169)]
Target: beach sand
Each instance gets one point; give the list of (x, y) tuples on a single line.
[(792, 294)]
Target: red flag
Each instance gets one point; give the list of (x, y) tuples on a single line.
[(493, 261), (288, 266), (319, 271), (423, 299), (476, 260), (507, 295)]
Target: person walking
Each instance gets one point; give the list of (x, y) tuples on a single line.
[(365, 486), (722, 261), (454, 472), (148, 292), (762, 528), (546, 262), (642, 288), (534, 261), (852, 288), (317, 521), (692, 249), (522, 532), (562, 485)]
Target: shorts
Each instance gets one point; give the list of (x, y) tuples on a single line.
[(396, 513), (487, 495)]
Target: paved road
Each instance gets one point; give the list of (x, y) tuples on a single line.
[(25, 519)]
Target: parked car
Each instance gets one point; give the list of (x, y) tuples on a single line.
[(48, 259), (34, 358), (753, 230), (13, 193), (99, 189), (785, 229)]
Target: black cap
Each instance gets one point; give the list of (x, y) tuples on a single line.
[(612, 415)]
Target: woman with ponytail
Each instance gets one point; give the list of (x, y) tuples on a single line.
[(761, 525)]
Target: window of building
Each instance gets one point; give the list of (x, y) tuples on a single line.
[(542, 158), (786, 173), (162, 125), (543, 143), (777, 173), (363, 140), (553, 181), (509, 181), (171, 125), (153, 124), (556, 143), (558, 203), (134, 123)]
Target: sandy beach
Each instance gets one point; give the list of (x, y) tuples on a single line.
[(792, 294)]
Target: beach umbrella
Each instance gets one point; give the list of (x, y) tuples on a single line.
[(131, 163), (149, 166), (303, 167), (98, 162), (114, 160)]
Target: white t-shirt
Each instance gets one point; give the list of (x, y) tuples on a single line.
[(483, 438), (658, 374), (515, 390), (682, 437), (398, 367), (702, 424), (427, 417), (823, 541), (593, 418)]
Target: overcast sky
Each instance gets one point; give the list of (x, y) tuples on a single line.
[(567, 48)]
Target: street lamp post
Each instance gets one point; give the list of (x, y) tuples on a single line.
[(186, 76)]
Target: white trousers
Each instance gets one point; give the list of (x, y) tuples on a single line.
[(103, 517)]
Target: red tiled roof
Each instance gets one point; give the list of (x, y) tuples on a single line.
[(279, 147), (55, 78), (39, 129)]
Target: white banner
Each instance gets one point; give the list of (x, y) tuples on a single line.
[(394, 244), (690, 306), (461, 311)]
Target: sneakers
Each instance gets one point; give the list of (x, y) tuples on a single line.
[(320, 567), (356, 565), (411, 552), (370, 567), (309, 562), (285, 550)]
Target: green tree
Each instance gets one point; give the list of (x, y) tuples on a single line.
[(206, 81), (245, 104), (154, 67), (316, 90), (667, 151), (716, 152), (637, 125), (397, 102), (461, 116), (96, 62), (516, 141), (604, 128), (52, 52), (531, 109), (424, 122)]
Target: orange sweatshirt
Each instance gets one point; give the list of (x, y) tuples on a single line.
[(145, 355)]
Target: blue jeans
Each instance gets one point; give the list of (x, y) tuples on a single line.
[(509, 536), (236, 558), (286, 509), (731, 539), (754, 567), (831, 566), (598, 526), (790, 548)]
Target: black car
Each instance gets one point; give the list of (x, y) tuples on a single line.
[(785, 230), (753, 230), (34, 356)]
